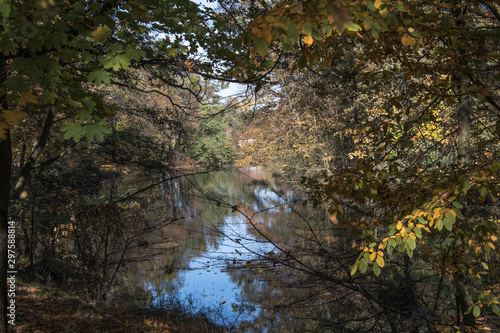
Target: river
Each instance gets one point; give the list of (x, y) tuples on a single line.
[(225, 250)]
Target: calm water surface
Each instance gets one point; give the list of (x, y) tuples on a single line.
[(210, 259)]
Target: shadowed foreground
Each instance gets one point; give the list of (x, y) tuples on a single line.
[(43, 309)]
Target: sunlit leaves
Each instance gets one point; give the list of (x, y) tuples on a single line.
[(101, 34), (352, 26), (308, 40)]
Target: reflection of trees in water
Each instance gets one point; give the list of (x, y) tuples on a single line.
[(304, 284), (189, 236), (308, 285)]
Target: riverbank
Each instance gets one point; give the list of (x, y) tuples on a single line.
[(45, 308)]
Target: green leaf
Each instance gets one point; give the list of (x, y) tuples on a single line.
[(370, 5), (476, 311), (315, 34), (376, 269), (97, 131), (84, 116), (307, 28), (411, 243), (439, 225), (117, 62), (414, 33), (5, 9), (466, 185), (459, 214), (114, 48), (327, 28), (261, 46), (362, 265), (447, 223), (293, 32), (392, 242), (392, 20), (401, 7), (422, 220), (450, 216), (495, 309), (392, 229), (99, 77), (302, 62), (485, 265), (72, 130), (418, 232), (457, 204), (352, 26), (354, 268)]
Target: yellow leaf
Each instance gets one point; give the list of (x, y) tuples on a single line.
[(101, 33), (12, 116), (308, 40), (399, 225), (406, 40), (267, 35), (380, 262), (27, 98), (373, 256), (378, 3), (4, 127)]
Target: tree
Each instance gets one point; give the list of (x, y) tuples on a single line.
[(212, 145), (54, 52), (432, 176)]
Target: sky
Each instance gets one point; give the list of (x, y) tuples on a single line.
[(233, 88)]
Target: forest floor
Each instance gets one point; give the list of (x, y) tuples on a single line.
[(43, 308)]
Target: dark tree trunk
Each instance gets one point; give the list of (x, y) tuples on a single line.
[(462, 294)]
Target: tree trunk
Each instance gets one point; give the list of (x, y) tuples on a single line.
[(462, 293), (464, 299)]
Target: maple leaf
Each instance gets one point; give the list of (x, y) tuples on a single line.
[(99, 77), (101, 34), (12, 116), (27, 98)]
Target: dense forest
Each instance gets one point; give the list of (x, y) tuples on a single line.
[(379, 121)]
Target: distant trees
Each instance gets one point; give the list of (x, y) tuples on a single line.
[(211, 142)]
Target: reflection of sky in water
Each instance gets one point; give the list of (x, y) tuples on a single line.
[(206, 284), (204, 281)]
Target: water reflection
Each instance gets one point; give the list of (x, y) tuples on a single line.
[(225, 222), (210, 235)]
